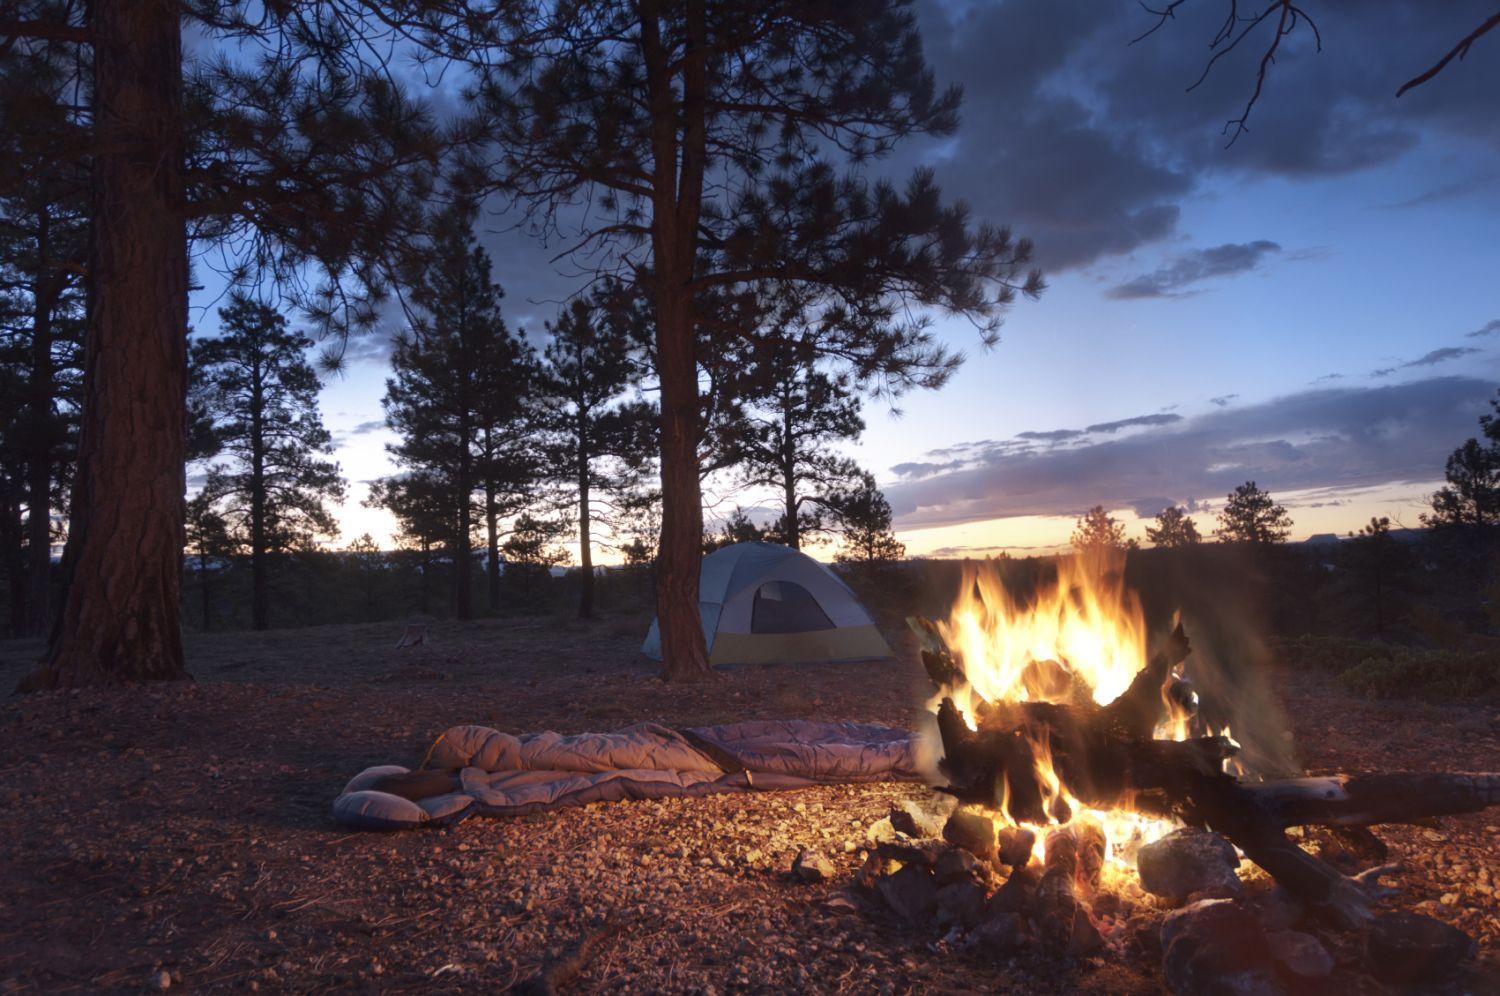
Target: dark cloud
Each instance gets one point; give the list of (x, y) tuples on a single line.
[(1491, 327), (1223, 400), (1440, 356), (1335, 438), (1383, 372), (1160, 418), (374, 425), (1177, 277), (1090, 144)]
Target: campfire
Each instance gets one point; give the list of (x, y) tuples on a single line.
[(1084, 773)]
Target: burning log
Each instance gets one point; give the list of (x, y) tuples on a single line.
[(1021, 756)]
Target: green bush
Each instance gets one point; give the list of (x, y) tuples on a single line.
[(1404, 671), (1332, 653)]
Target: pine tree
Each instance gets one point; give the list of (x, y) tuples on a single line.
[(865, 517), (261, 393), (798, 413), (286, 140), (1097, 530), (459, 385), (210, 544), (1472, 495), (422, 510), (599, 441), (1252, 517), (1174, 528), (43, 247), (531, 551), (716, 144)]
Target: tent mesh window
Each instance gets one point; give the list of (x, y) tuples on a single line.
[(786, 607)]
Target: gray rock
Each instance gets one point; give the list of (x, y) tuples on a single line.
[(1216, 948), (1001, 933), (810, 866), (908, 818), (1300, 955), (957, 865), (1407, 947), (1188, 861), (960, 903), (974, 832), (1017, 895), (910, 891)]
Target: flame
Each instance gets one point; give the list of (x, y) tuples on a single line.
[(1082, 638), (1085, 635)]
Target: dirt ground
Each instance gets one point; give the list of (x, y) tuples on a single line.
[(186, 829)]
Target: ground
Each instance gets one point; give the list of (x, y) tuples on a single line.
[(185, 829)]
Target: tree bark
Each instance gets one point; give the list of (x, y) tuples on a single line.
[(492, 546), (14, 559), (120, 618), (677, 201), (40, 459)]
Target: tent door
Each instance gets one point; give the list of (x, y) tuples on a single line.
[(786, 607)]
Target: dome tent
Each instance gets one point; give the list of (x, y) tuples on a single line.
[(762, 603)]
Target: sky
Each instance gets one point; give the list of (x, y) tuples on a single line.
[(1315, 307)]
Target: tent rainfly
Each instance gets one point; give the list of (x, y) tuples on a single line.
[(763, 603)]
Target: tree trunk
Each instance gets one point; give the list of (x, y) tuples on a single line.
[(120, 617), (203, 587), (492, 546), (260, 583), (684, 650), (789, 477), (39, 459), (462, 562), (677, 202), (14, 560), (585, 541)]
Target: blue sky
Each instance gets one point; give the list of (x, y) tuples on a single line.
[(1346, 233)]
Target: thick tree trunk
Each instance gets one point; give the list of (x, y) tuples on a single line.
[(684, 650), (462, 563), (120, 617), (39, 460)]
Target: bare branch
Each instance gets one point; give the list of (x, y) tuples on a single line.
[(1460, 50)]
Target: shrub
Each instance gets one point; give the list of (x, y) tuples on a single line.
[(1405, 671)]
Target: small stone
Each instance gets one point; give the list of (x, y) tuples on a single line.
[(161, 981), (1002, 932), (1017, 894), (1448, 898), (910, 891), (810, 866), (907, 818), (1407, 947), (1187, 861), (974, 832), (956, 865), (1014, 846), (960, 903), (1300, 955)]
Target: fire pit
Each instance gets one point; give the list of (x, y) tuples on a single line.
[(1086, 778)]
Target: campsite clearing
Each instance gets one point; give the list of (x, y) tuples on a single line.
[(186, 828)]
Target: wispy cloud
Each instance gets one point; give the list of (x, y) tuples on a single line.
[(1491, 327), (1223, 400), (1326, 437), (1440, 356), (374, 425), (1160, 418), (1177, 277)]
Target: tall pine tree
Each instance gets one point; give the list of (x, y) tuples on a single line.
[(459, 385), (599, 441), (284, 141), (261, 394)]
